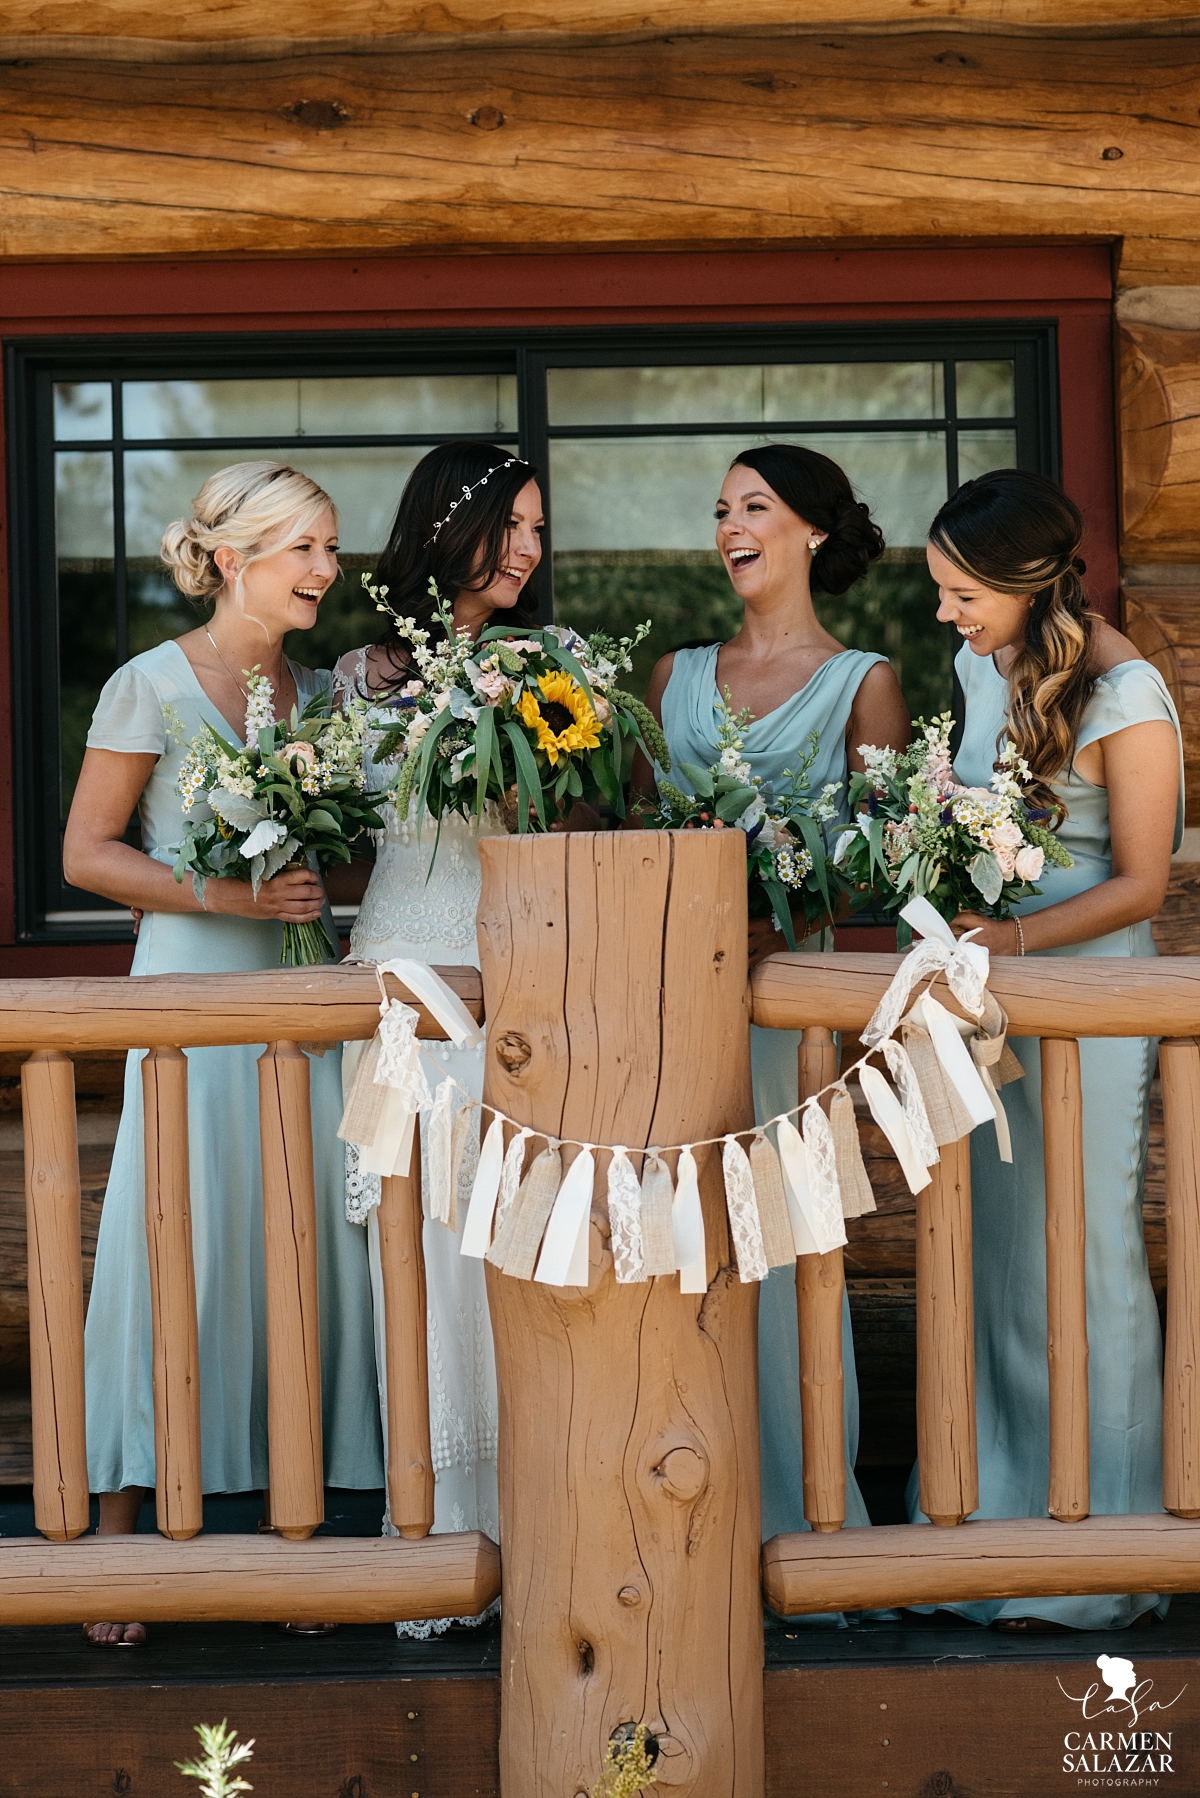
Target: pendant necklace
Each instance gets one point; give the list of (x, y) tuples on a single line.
[(229, 671)]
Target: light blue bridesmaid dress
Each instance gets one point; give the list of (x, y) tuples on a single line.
[(226, 1185), (1009, 1201), (772, 743)]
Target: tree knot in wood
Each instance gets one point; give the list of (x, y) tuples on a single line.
[(486, 118), (317, 115), (514, 1053), (629, 1595), (122, 1781), (353, 1787), (939, 1785), (771, 84), (1112, 154), (587, 1657), (684, 1473)]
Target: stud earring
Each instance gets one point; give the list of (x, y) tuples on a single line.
[(814, 545)]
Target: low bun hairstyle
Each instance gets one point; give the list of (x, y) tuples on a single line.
[(817, 490), (238, 508), (1018, 533)]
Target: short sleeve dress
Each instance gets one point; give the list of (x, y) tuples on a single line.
[(1009, 1200), (773, 743), (153, 706)]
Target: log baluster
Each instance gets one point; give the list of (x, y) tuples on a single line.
[(60, 1476), (820, 1285), (176, 1347), (1179, 1064), (406, 1350), (1066, 1281), (946, 1444), (297, 1501)]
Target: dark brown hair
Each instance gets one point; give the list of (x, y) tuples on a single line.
[(817, 490)]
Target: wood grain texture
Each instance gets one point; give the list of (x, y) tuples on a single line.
[(1164, 624), (1066, 1281), (324, 1005), (820, 1285), (1160, 443), (60, 1475), (334, 1579), (614, 971), (946, 1445), (176, 1350), (297, 1503), (1131, 997), (406, 1350), (677, 139), (1029, 1557), (1179, 1067)]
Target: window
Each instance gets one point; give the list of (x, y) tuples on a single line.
[(633, 431)]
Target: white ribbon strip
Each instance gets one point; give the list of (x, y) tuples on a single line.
[(743, 1212), (559, 1264), (915, 1115), (887, 1112), (955, 1058), (793, 1160), (477, 1232), (1003, 1138), (625, 1218), (687, 1224), (438, 1149), (391, 1151), (437, 998)]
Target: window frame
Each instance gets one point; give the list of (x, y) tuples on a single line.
[(34, 364)]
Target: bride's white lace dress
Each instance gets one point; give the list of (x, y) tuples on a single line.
[(408, 911)]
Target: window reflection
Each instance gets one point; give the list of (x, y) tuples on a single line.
[(87, 641), (981, 451), (82, 409), (985, 389), (823, 391), (392, 406)]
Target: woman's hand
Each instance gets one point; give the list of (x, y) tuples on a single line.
[(997, 935), (293, 897)]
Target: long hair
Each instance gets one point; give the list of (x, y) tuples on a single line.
[(465, 554), (1018, 533), (818, 491)]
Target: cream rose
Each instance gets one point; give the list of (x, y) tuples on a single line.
[(1030, 862)]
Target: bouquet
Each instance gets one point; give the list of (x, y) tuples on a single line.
[(533, 721), (787, 854), (921, 833), (295, 789)]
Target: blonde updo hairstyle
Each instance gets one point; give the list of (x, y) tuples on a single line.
[(240, 508)]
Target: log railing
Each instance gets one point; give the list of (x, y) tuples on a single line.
[(1058, 1001), (335, 1580)]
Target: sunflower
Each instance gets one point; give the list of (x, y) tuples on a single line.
[(563, 720)]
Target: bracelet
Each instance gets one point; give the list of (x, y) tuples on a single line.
[(1020, 937)]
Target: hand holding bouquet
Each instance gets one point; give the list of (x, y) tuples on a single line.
[(787, 854), (294, 789), (532, 720), (920, 832)]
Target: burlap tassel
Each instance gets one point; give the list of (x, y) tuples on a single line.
[(624, 1219), (742, 1206), (464, 1124), (857, 1197), (949, 1119), (658, 1194), (364, 1105), (779, 1248), (516, 1249)]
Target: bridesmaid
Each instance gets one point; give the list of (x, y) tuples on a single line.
[(261, 546), (787, 521), (1097, 727)]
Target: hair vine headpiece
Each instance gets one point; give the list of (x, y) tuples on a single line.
[(513, 462)]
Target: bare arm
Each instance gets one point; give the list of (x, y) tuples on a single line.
[(1141, 771), (878, 716), (642, 778), (96, 859)]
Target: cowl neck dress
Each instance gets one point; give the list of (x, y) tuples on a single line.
[(154, 705), (773, 743), (1008, 1201)]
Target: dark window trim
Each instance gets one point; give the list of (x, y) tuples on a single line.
[(33, 364)]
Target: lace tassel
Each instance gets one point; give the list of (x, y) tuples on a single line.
[(510, 1177), (625, 1219), (438, 1149), (822, 1161), (743, 1212), (915, 1116), (464, 1122)]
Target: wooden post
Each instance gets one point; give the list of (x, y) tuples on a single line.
[(60, 1476), (177, 1482), (1066, 1280), (1179, 1063), (406, 1350), (614, 971), (293, 1337), (946, 1451), (820, 1285)]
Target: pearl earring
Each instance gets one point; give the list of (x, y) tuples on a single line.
[(813, 545)]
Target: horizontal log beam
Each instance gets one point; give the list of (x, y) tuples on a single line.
[(701, 139), (244, 1579), (1029, 1557), (1054, 996), (321, 1005)]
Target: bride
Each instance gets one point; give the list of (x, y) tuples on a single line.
[(468, 519)]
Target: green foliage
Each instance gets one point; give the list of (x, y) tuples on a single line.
[(222, 1752)]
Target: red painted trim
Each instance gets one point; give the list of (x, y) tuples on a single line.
[(1072, 283)]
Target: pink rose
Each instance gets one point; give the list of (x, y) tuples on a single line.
[(302, 752), (1006, 835), (1029, 863), (1005, 861)]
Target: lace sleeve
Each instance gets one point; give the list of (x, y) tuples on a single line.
[(350, 678)]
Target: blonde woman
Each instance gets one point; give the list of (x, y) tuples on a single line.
[(261, 548), (1096, 725)]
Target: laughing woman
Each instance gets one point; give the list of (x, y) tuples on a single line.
[(261, 545), (787, 522), (1097, 727)]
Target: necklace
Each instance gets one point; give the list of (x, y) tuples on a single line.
[(229, 671)]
